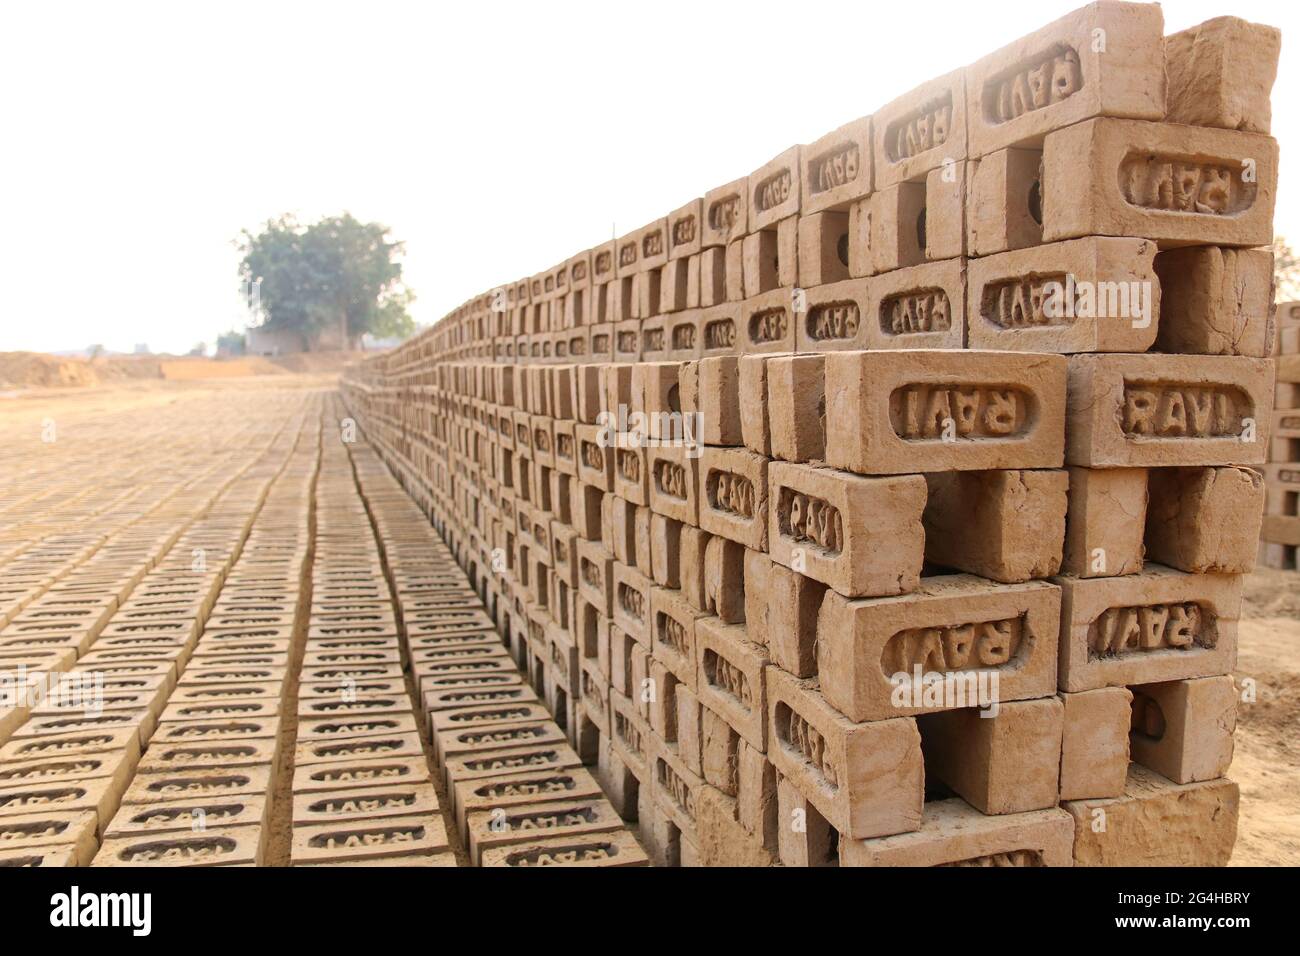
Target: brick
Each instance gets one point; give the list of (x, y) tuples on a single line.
[(1216, 301), (1004, 525), (1220, 74), (836, 169), (719, 752), (757, 574), (796, 407), (631, 602), (959, 629), (605, 849), (1105, 522), (674, 482), (823, 248), (733, 495), (752, 372), (766, 322), (865, 779), (858, 535), (369, 839), (1084, 295), (918, 131), (1210, 204), (894, 230), (956, 834), (774, 190), (1008, 762), (724, 580), (225, 847), (1183, 729), (672, 629), (1148, 410), (1145, 628), (731, 678), (1095, 743), (888, 413), (725, 213), (492, 829), (360, 773), (1204, 520), (793, 602), (837, 318), (1004, 201), (805, 839)]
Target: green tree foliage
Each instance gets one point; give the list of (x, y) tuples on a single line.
[(336, 276), (1286, 271)]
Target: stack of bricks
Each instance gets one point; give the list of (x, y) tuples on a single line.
[(890, 505), (1281, 533)]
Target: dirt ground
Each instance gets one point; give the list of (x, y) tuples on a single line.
[(1266, 764)]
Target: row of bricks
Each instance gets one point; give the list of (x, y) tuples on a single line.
[(1280, 536)]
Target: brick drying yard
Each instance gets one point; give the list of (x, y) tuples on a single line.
[(690, 549)]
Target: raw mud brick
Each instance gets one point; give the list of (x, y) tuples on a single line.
[(756, 799), (1159, 625), (465, 696), (672, 632), (217, 782), (588, 393), (920, 307), (687, 726), (491, 829), (725, 213), (642, 686), (369, 839), (889, 412), (1183, 729), (618, 848), (1220, 74), (631, 602), (585, 506), (955, 630), (757, 576), (823, 242), (862, 536), (861, 216), (187, 816), (724, 580), (685, 230), (121, 739), (804, 837), (735, 279), (247, 753), (865, 779), (894, 231), (796, 407), (656, 386), (1004, 525), (711, 388), (630, 472), (733, 496), (1085, 295), (98, 794), (595, 575), (622, 529), (632, 740), (920, 130), (767, 323), (1204, 519), (1158, 410), (1004, 201), (235, 846), (674, 288), (665, 551), (944, 229), (676, 790), (47, 857), (1066, 72), (499, 736), (836, 319), (113, 770), (42, 830), (1105, 522), (793, 602), (365, 803), (654, 340), (1216, 301), (774, 190), (1157, 823), (956, 834), (712, 281), (723, 840), (836, 169), (360, 773), (1178, 185), (600, 343), (719, 752), (731, 678), (1008, 762), (627, 340), (752, 382), (682, 329), (1095, 743), (348, 727), (674, 482)]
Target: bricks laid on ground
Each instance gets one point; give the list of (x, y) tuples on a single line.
[(956, 405), (1281, 532)]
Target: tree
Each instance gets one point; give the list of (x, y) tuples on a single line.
[(231, 343), (1286, 271), (337, 278)]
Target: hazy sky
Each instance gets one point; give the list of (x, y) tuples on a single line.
[(496, 139)]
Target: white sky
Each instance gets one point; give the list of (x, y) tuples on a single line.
[(496, 139)]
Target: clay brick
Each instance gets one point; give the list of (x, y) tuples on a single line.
[(1183, 729), (1004, 201), (360, 773), (674, 482), (733, 495), (956, 834), (682, 337), (757, 575), (685, 230), (1216, 301), (957, 630), (687, 723), (859, 535), (1159, 625), (630, 472), (1004, 525), (837, 318), (836, 169), (1105, 522), (804, 838), (735, 291), (823, 244), (724, 580), (632, 740), (1204, 520), (1085, 295), (893, 231), (713, 276), (888, 412), (1220, 74), (767, 323), (723, 840), (1211, 203), (364, 804), (761, 258), (1008, 762), (920, 130), (793, 602), (719, 752), (1095, 743), (796, 407), (665, 551), (1158, 410), (725, 213), (774, 190), (920, 307), (944, 228), (865, 779), (672, 631), (234, 846), (223, 782), (369, 839), (1060, 74), (731, 678), (631, 602), (1157, 823), (676, 789), (752, 381), (605, 849), (492, 829)]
